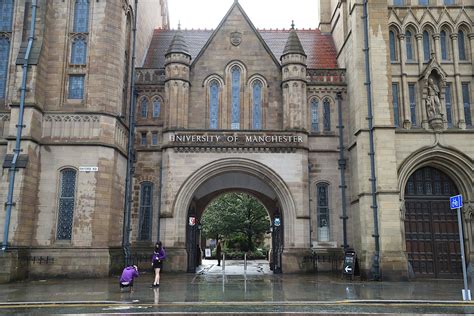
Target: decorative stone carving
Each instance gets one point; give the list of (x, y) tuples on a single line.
[(433, 83), (433, 101), (235, 38)]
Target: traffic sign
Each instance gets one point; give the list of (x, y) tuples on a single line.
[(455, 201)]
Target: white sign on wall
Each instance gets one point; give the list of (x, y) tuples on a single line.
[(88, 169)]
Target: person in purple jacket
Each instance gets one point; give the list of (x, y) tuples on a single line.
[(128, 274), (157, 262)]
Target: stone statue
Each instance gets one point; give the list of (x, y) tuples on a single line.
[(433, 100)]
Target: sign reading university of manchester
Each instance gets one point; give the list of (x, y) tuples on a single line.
[(234, 139)]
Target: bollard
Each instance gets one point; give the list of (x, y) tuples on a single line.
[(223, 262), (245, 262)]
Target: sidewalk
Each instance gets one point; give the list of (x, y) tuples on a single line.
[(211, 290)]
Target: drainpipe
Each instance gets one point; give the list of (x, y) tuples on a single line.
[(375, 270), (159, 199), (130, 151), (342, 169), (19, 127), (309, 206)]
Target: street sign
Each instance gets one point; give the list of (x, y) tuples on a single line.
[(348, 267), (277, 221), (455, 201), (192, 221)]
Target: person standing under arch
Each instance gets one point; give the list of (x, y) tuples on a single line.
[(159, 255)]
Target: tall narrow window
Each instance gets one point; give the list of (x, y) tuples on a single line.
[(314, 115), (467, 104), (323, 212), (448, 2), (409, 45), (214, 105), (144, 107), (6, 15), (78, 51), (81, 16), (393, 52), (257, 105), (146, 208), (398, 2), (423, 2), (461, 45), (326, 115), (235, 97), (156, 107), (76, 87), (66, 204), (4, 55), (444, 48), (447, 98), (396, 105), (143, 138), (154, 138), (412, 96), (426, 46)]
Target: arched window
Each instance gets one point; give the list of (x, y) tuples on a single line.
[(314, 115), (4, 55), (214, 104), (66, 204), (444, 45), (326, 115), (6, 15), (461, 45), (78, 51), (426, 46), (393, 50), (146, 210), (81, 16), (144, 107), (156, 107), (257, 105), (447, 98), (323, 211), (409, 45), (235, 71)]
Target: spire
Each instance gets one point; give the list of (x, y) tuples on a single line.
[(293, 44), (178, 43)]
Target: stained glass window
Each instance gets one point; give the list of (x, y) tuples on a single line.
[(78, 51), (396, 107), (467, 104), (447, 98), (444, 48), (235, 97), (257, 105), (144, 107), (326, 115), (156, 107), (146, 206), (6, 15), (461, 45), (426, 46), (76, 87), (214, 104), (4, 55), (81, 16), (412, 96), (323, 211), (66, 204), (393, 56), (314, 115), (409, 45)]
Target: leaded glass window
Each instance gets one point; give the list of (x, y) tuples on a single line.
[(423, 2), (326, 115), (467, 104), (154, 138), (395, 103), (76, 87), (235, 97), (79, 51), (156, 107), (143, 138), (4, 55), (6, 15), (461, 45), (444, 45), (257, 105), (66, 204), (214, 104), (448, 2), (393, 52), (323, 211), (144, 107), (426, 46), (314, 115), (81, 16), (398, 2), (146, 207), (409, 45), (412, 96), (447, 98)]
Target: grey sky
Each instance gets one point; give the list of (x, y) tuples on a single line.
[(263, 13)]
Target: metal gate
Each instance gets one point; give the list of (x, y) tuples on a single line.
[(431, 230)]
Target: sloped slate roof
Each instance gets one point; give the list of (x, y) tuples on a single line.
[(318, 47)]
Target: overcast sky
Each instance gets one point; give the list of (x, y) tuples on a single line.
[(263, 13)]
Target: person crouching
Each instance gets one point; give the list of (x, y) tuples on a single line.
[(128, 274)]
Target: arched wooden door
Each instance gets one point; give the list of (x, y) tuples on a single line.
[(431, 229)]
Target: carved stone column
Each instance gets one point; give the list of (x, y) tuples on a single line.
[(419, 49), (437, 47), (404, 86), (459, 107)]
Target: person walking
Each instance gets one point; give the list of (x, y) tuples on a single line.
[(159, 255), (218, 253), (128, 274)]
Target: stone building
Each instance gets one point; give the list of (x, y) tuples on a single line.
[(354, 134)]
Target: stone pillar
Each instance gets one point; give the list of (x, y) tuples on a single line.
[(437, 47), (471, 40), (404, 86), (419, 49), (457, 91)]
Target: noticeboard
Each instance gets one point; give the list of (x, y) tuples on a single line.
[(349, 263)]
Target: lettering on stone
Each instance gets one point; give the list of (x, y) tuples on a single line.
[(247, 139)]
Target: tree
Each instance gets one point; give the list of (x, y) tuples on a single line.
[(236, 216)]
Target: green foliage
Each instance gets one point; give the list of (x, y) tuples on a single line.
[(238, 218)]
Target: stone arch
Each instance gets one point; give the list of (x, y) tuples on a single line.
[(185, 194)]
